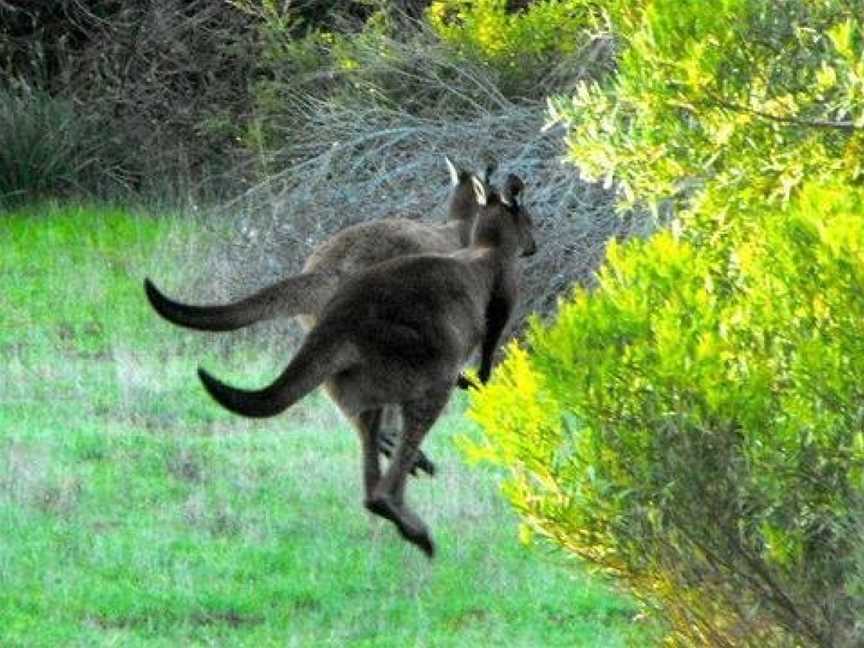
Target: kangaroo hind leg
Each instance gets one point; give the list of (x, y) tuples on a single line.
[(368, 426), (385, 441), (388, 499), (389, 437)]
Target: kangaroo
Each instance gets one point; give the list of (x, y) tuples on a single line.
[(399, 333), (330, 264)]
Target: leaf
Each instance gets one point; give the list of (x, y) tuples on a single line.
[(841, 37), (826, 77)]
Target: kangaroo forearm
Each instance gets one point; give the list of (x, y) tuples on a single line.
[(498, 315), (486, 362)]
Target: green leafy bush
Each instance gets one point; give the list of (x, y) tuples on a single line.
[(695, 427), (315, 66), (46, 146), (162, 86), (384, 63), (520, 43), (747, 97)]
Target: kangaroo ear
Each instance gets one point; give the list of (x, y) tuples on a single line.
[(491, 167), (512, 188), (454, 174), (479, 191), (514, 185)]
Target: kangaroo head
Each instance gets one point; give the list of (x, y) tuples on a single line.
[(502, 221), (463, 203)]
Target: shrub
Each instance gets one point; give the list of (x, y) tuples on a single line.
[(46, 146), (165, 82), (745, 97), (521, 43), (355, 128), (694, 427), (380, 62)]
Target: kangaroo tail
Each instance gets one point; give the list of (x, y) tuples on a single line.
[(300, 294), (316, 361)]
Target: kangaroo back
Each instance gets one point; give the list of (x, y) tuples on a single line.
[(317, 360)]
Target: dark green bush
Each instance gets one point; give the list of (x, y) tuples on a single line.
[(47, 147), (164, 83)]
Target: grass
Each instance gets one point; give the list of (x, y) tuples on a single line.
[(134, 511)]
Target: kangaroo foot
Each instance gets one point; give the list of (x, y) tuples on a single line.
[(386, 446), (409, 525)]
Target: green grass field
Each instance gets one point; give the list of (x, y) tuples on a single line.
[(134, 511)]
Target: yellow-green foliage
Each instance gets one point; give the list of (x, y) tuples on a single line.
[(749, 96), (512, 41), (695, 425)]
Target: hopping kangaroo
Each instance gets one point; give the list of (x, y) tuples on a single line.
[(399, 333), (334, 261)]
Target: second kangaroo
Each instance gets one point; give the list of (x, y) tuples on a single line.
[(399, 333), (333, 262)]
